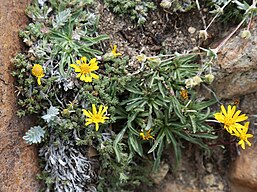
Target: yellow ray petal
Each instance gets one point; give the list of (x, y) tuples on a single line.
[(85, 112), (84, 60), (82, 78), (236, 114), (219, 117), (229, 111), (39, 80), (94, 76), (93, 62), (223, 110), (88, 79), (104, 110), (88, 122), (78, 75), (100, 109), (233, 110), (77, 68), (96, 126), (94, 67), (78, 62), (94, 109), (241, 118)]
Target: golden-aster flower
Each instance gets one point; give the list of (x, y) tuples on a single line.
[(94, 116), (184, 94), (230, 118), (37, 70), (85, 69), (241, 133), (114, 52), (146, 135)]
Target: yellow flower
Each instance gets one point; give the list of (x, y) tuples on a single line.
[(146, 135), (141, 58), (37, 70), (85, 69), (184, 94), (241, 133), (114, 51), (94, 116), (230, 118)]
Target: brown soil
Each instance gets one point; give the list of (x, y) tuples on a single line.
[(18, 161)]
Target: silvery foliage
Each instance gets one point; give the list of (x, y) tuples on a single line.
[(61, 18), (52, 112), (67, 165), (34, 135)]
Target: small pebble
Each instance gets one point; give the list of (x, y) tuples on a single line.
[(191, 30)]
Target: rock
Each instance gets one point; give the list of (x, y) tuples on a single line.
[(18, 161), (235, 84), (191, 30), (209, 180), (174, 187), (243, 173), (236, 69), (209, 167), (158, 176), (221, 186), (249, 103)]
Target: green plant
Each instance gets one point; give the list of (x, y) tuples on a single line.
[(154, 102), (65, 74), (137, 10)]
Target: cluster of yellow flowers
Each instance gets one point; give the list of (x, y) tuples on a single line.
[(231, 119), (85, 74), (81, 67)]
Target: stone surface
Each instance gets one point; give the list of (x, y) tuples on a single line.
[(236, 69), (18, 161), (249, 103), (243, 174), (174, 187), (236, 84), (160, 174)]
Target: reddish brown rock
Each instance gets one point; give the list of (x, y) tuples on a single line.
[(237, 66), (243, 173), (18, 161)]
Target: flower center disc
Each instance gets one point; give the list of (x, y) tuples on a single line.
[(37, 71), (85, 69), (97, 118), (229, 121)]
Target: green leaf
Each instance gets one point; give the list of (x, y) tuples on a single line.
[(136, 145), (134, 90), (116, 141), (176, 148), (94, 40), (157, 141), (205, 135), (192, 119), (159, 155), (161, 89)]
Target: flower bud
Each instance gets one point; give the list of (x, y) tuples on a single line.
[(245, 34), (209, 78), (166, 4), (203, 34), (141, 58)]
